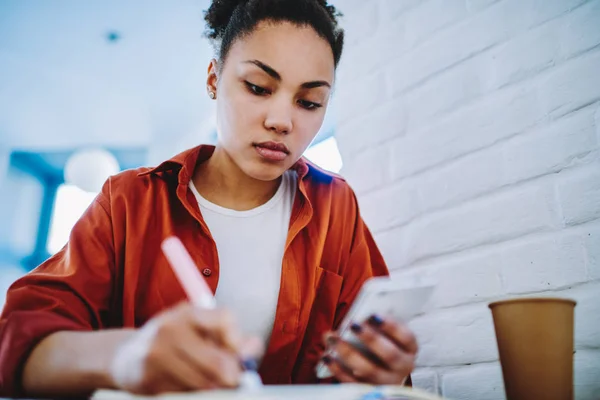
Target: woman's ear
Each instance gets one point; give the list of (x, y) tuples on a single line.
[(212, 77)]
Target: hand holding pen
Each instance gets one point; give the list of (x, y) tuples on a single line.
[(192, 346)]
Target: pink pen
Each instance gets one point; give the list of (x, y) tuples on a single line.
[(187, 273), (199, 293)]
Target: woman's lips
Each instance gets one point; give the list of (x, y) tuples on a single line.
[(273, 155), (272, 151)]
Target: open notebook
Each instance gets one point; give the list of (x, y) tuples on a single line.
[(288, 392)]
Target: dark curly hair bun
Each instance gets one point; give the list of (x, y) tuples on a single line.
[(218, 15), (227, 20)]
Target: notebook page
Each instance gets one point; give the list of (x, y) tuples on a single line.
[(287, 392)]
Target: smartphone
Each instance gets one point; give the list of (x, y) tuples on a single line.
[(399, 299)]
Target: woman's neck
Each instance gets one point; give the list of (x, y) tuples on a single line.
[(220, 181)]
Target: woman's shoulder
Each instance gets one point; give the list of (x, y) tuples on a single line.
[(134, 184), (321, 183)]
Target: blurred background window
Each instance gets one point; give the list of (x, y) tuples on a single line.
[(70, 203), (326, 154)]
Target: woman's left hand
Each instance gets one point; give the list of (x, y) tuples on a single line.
[(392, 347)]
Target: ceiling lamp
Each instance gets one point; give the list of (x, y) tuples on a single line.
[(88, 169)]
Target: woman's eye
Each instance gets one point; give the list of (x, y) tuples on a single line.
[(309, 105), (260, 91)]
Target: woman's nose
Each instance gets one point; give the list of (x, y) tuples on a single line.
[(279, 117)]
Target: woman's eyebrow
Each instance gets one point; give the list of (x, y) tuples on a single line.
[(315, 84), (275, 75), (270, 71)]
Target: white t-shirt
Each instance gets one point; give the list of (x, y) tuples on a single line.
[(250, 245)]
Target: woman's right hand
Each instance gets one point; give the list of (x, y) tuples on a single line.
[(183, 349)]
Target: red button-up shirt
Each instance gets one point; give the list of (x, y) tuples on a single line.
[(113, 274)]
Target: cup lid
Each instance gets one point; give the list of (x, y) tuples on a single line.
[(532, 300)]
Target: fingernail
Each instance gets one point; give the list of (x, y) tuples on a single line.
[(375, 320), (249, 364), (326, 359), (356, 328)]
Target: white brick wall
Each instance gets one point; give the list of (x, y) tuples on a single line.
[(455, 336), (470, 130), (579, 195), (459, 383)]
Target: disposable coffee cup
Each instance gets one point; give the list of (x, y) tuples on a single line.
[(535, 342)]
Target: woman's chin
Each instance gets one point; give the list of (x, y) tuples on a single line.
[(266, 172)]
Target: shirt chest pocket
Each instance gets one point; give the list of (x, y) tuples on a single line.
[(327, 293)]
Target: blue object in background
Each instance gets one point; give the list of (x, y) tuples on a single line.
[(47, 169)]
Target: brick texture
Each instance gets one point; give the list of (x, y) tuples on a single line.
[(470, 130)]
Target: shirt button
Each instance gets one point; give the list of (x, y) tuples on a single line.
[(207, 272)]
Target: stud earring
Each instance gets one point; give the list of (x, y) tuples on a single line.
[(212, 95)]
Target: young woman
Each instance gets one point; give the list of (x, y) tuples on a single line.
[(280, 241)]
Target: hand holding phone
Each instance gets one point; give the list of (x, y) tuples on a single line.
[(392, 300)]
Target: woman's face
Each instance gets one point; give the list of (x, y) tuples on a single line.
[(272, 93)]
